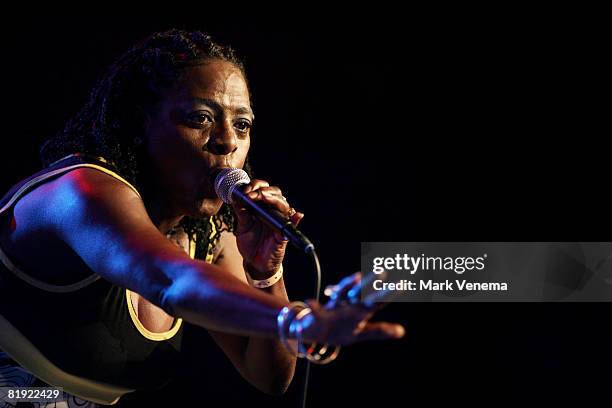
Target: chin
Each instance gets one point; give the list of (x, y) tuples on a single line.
[(208, 207)]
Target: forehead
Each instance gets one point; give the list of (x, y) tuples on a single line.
[(215, 79)]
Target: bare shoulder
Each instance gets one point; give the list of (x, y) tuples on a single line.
[(57, 206), (66, 192), (41, 214), (102, 223), (91, 185)]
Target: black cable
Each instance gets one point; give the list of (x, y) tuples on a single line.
[(317, 267)]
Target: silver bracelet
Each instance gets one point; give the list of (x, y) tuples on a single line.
[(289, 322), (265, 283), (315, 353), (284, 319)]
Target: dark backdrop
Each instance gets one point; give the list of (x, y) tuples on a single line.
[(406, 130)]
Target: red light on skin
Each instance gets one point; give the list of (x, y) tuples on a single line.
[(83, 185), (13, 224)]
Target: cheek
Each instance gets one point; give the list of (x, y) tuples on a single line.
[(243, 152), (173, 144)]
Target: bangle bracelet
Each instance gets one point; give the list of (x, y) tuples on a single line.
[(265, 283), (289, 321), (316, 353), (296, 327), (283, 321)]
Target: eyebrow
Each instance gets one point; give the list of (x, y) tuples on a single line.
[(242, 110)]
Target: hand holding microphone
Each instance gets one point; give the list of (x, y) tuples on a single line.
[(266, 221), (232, 186)]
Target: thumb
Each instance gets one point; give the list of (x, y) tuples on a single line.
[(244, 218), (296, 218), (380, 331)]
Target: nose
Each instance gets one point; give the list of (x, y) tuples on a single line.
[(223, 140)]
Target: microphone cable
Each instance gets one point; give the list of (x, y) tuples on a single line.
[(317, 268)]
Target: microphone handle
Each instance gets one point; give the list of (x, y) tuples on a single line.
[(274, 220)]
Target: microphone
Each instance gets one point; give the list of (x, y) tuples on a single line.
[(229, 184)]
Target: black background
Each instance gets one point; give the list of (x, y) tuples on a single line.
[(388, 129)]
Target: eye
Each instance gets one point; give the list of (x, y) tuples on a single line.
[(243, 125), (200, 118)]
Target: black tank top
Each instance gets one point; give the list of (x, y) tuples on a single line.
[(84, 337)]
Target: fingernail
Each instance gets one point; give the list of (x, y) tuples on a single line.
[(353, 295), (399, 332), (330, 290)]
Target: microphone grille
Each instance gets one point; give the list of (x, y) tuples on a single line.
[(227, 180)]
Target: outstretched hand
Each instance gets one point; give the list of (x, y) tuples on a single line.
[(345, 320)]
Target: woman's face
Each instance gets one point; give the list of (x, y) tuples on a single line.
[(202, 123)]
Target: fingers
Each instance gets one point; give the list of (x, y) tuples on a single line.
[(260, 191), (245, 220), (379, 331), (349, 289), (296, 218), (338, 293), (375, 299), (254, 185), (347, 324)]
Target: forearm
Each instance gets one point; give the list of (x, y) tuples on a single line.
[(268, 361), (206, 296)]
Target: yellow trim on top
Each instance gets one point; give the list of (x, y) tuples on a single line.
[(22, 190), (192, 246), (132, 312), (213, 230), (170, 333), (50, 174), (111, 173), (143, 330), (128, 294), (20, 349)]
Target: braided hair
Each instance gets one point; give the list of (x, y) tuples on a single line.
[(111, 123)]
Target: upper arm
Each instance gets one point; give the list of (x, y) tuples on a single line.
[(106, 224)]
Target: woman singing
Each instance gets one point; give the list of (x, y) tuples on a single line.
[(121, 237)]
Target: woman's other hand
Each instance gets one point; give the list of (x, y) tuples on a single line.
[(345, 320)]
